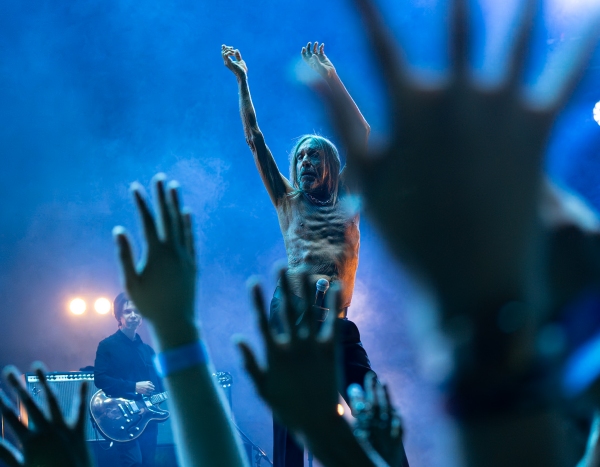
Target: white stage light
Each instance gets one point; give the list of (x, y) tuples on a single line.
[(596, 112), (102, 305), (77, 306)]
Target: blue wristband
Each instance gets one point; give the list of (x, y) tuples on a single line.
[(180, 358)]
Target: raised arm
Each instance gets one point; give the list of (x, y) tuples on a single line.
[(163, 287), (302, 366), (276, 184), (314, 56)]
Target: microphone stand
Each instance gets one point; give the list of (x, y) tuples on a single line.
[(260, 454)]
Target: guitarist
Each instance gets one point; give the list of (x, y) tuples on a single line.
[(124, 368)]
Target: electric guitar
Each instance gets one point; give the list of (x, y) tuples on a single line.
[(121, 420)]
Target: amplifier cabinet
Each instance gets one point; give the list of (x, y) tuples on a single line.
[(66, 385)]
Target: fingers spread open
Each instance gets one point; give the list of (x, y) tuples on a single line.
[(356, 396), (160, 199), (175, 211), (369, 383), (34, 412), (518, 56), (55, 412), (289, 312), (574, 60), (396, 430), (383, 45), (459, 39), (82, 409), (188, 234), (307, 319), (252, 367), (126, 261), (9, 454), (329, 331), (148, 223), (11, 418), (381, 400), (261, 312)]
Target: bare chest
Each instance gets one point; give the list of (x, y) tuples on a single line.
[(318, 234)]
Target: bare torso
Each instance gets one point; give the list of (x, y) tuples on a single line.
[(322, 241)]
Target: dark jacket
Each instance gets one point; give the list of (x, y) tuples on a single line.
[(122, 362)]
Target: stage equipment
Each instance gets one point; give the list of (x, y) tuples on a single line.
[(66, 386), (102, 305), (122, 420), (77, 306)]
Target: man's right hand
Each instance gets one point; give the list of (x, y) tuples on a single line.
[(144, 387), (232, 58)]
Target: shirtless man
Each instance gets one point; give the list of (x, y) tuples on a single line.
[(320, 229)]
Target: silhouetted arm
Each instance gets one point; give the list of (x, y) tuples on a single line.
[(163, 287), (456, 195), (302, 366)]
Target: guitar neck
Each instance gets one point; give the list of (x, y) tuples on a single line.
[(158, 398)]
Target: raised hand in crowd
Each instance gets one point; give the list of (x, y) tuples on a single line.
[(377, 422), (457, 194), (456, 190), (302, 366), (163, 287), (51, 441)]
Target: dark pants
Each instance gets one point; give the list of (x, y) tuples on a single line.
[(140, 452), (286, 451)]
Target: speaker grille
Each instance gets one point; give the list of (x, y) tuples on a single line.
[(66, 386)]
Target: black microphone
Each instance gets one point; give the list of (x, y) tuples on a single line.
[(322, 286)]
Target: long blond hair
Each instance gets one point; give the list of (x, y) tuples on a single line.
[(331, 161)]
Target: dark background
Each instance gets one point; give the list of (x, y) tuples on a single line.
[(97, 94)]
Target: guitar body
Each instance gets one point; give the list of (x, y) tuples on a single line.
[(122, 420)]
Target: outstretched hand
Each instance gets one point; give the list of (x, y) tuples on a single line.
[(377, 422), (163, 284), (314, 56), (51, 442), (301, 365), (455, 192), (232, 58)]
